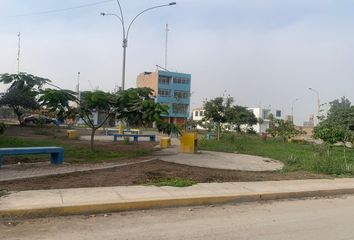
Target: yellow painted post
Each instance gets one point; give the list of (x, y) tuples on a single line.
[(121, 127), (165, 142), (72, 134), (189, 142)]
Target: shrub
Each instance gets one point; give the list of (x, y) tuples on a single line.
[(2, 128)]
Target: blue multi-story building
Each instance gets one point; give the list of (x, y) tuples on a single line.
[(172, 89)]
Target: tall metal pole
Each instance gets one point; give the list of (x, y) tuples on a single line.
[(19, 53), (292, 109), (166, 46), (78, 86), (126, 31), (125, 45), (318, 101)]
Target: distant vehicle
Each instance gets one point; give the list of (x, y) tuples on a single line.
[(39, 120)]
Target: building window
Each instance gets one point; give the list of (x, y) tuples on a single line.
[(181, 94), (201, 113), (164, 92), (196, 113), (278, 113), (164, 80), (265, 114), (179, 80), (178, 108)]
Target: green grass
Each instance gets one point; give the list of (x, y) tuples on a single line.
[(172, 182), (295, 156), (72, 153)]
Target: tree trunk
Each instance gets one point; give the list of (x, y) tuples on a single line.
[(238, 128), (218, 131), (18, 114), (92, 138)]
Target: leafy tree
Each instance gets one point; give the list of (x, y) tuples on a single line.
[(20, 100), (215, 111), (58, 102), (338, 126), (283, 129), (138, 107), (238, 115), (96, 101), (21, 95), (23, 81), (135, 106)]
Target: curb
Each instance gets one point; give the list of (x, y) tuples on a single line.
[(165, 203)]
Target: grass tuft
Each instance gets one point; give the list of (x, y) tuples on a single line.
[(172, 182)]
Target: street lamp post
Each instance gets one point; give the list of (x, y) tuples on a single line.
[(292, 109), (126, 30), (318, 101)]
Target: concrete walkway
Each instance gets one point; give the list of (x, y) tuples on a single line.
[(219, 160), (110, 199)]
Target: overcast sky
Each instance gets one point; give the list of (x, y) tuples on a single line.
[(262, 52)]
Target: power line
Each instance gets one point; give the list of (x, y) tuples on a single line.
[(61, 9)]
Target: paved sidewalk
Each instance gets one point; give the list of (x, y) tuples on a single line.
[(109, 199)]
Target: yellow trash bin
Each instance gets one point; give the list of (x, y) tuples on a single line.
[(189, 142), (165, 142), (72, 134)]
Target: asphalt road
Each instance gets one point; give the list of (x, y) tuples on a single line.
[(327, 218)]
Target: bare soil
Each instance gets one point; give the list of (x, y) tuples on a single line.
[(49, 133), (139, 173), (143, 173)]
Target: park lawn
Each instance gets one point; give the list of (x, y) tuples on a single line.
[(73, 152), (295, 156)]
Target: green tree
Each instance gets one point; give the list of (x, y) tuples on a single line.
[(138, 107), (338, 126), (215, 111), (135, 106), (23, 81), (238, 115), (20, 100), (65, 104), (21, 95), (58, 101), (283, 129)]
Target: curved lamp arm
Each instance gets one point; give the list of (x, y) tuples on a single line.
[(148, 9)]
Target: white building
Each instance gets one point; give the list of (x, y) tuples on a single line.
[(260, 113), (198, 114)]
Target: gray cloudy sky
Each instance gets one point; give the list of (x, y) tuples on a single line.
[(262, 52)]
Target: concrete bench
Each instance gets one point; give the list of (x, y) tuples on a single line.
[(135, 136), (109, 131), (56, 153)]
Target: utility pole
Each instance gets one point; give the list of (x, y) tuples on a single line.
[(166, 46), (18, 52), (78, 86), (126, 30)]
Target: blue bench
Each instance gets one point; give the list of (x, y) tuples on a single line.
[(56, 153), (135, 136), (109, 131)]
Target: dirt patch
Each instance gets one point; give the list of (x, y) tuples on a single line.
[(37, 133), (143, 173)]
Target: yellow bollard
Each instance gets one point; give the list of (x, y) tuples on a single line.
[(189, 142), (165, 142), (72, 134)]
